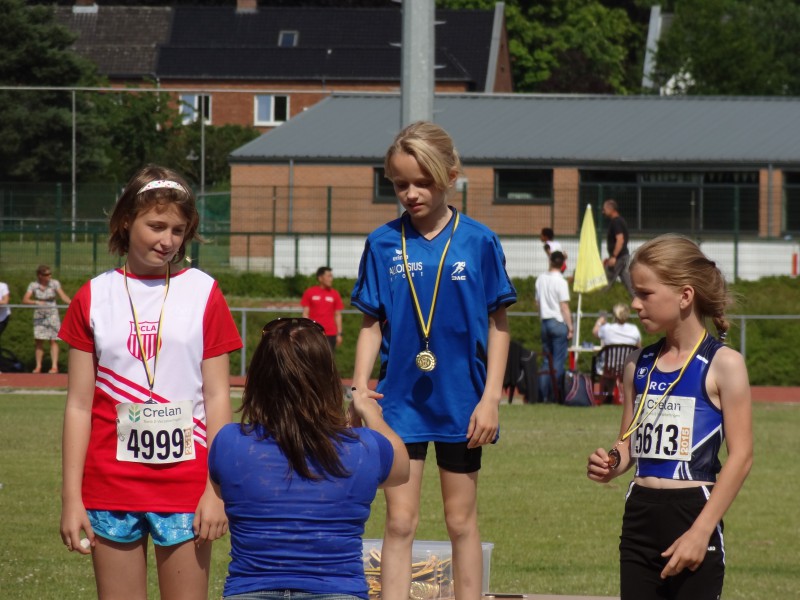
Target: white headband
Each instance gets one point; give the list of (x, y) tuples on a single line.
[(162, 183)]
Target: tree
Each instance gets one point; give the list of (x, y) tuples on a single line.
[(36, 126), (731, 47), (571, 46), (220, 141), (139, 127), (116, 132)]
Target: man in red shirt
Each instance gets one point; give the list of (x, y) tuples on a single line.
[(324, 305)]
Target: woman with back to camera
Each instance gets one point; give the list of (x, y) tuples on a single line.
[(296, 479), (619, 331)]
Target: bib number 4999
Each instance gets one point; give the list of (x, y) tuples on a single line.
[(155, 434), (161, 445)]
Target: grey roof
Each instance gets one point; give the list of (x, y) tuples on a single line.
[(550, 130), (121, 40)]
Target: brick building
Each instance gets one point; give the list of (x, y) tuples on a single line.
[(707, 167), (259, 65)]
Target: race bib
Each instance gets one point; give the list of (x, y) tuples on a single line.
[(666, 431), (155, 433)]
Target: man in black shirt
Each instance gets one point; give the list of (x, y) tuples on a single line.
[(617, 243)]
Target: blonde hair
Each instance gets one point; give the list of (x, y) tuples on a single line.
[(621, 312), (432, 147), (134, 201), (677, 261)]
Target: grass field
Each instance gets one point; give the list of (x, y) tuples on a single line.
[(554, 532)]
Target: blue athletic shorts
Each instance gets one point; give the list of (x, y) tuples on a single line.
[(288, 595), (166, 529)]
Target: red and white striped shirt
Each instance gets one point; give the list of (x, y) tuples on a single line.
[(196, 325)]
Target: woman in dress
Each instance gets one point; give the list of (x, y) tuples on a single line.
[(46, 321)]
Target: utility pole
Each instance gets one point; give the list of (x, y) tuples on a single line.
[(417, 60)]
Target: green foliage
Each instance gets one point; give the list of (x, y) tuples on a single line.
[(571, 46), (36, 126), (115, 132), (554, 532), (220, 141), (138, 127), (257, 285), (769, 342), (732, 47)]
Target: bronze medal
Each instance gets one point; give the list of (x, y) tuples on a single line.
[(613, 458), (426, 361)]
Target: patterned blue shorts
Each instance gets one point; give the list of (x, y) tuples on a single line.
[(166, 529), (288, 595)]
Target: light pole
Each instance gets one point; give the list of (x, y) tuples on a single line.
[(192, 156), (202, 161)]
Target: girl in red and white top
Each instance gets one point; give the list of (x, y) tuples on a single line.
[(148, 391)]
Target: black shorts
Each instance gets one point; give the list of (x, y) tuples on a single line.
[(653, 520), (456, 458)]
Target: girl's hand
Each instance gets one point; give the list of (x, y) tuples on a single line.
[(364, 406), (74, 520), (210, 522), (597, 467), (483, 424), (688, 551)]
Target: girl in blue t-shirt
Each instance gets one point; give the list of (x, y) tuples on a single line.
[(684, 396), (434, 290)]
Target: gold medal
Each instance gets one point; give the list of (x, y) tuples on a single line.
[(426, 360)]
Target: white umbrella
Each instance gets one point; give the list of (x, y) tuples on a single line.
[(589, 272)]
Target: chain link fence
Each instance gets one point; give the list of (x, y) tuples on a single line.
[(289, 230)]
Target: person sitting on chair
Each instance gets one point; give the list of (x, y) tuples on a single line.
[(617, 332)]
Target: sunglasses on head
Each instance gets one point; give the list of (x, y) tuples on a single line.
[(292, 322)]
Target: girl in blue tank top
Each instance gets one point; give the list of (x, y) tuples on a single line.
[(684, 396)]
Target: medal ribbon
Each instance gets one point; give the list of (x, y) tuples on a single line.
[(151, 377), (636, 422), (425, 325)]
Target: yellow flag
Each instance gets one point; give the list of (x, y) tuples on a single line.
[(589, 272)]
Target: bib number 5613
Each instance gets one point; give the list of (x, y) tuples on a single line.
[(658, 440)]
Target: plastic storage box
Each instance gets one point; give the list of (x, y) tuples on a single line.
[(431, 569)]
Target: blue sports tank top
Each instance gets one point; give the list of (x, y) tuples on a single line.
[(681, 437)]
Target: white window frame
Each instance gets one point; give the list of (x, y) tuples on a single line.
[(189, 108), (272, 121)]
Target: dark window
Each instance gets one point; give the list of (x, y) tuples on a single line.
[(608, 176), (718, 209), (523, 186), (383, 188), (689, 202), (791, 205)]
